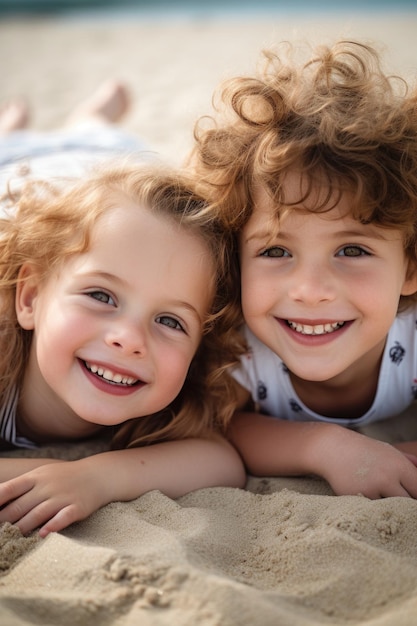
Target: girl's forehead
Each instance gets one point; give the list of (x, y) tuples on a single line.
[(131, 222)]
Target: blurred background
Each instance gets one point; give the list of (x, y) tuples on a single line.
[(172, 54)]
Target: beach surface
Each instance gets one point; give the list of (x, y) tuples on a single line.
[(282, 552)]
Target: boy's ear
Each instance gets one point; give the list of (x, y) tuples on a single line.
[(410, 282), (26, 292)]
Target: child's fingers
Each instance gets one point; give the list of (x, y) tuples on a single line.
[(411, 457), (401, 483), (29, 509), (36, 516), (395, 491), (64, 517), (409, 485), (25, 514), (15, 488), (16, 504)]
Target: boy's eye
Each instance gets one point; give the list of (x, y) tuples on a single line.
[(171, 322), (352, 251), (102, 296), (275, 252)]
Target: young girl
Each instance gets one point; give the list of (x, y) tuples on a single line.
[(316, 172), (115, 305)]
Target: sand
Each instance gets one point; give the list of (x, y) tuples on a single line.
[(282, 552)]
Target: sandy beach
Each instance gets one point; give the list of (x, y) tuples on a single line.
[(282, 552)]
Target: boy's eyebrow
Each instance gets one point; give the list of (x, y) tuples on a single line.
[(259, 234), (372, 232)]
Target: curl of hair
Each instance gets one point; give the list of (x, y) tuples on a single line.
[(50, 222), (337, 118)]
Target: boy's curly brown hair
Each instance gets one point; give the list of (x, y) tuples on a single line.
[(337, 117)]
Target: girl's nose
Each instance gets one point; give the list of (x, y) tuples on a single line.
[(129, 338)]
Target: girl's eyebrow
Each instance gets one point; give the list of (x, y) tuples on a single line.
[(189, 307), (177, 303), (103, 274)]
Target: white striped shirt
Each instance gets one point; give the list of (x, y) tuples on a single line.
[(8, 421)]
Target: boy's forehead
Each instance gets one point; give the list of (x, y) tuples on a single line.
[(270, 218), (299, 191), (264, 218)]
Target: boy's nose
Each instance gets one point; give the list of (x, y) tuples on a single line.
[(312, 284)]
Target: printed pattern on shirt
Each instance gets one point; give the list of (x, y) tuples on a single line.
[(268, 380)]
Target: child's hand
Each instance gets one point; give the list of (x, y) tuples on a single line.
[(55, 495), (356, 464), (51, 496), (350, 462)]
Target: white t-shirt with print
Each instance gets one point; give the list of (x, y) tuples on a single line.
[(266, 377)]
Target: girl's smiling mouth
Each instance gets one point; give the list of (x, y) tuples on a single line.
[(109, 375)]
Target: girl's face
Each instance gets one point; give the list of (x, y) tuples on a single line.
[(323, 291), (115, 329)]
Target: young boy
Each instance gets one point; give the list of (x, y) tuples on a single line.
[(317, 174)]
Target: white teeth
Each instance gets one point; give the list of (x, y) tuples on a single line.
[(318, 329), (112, 377)]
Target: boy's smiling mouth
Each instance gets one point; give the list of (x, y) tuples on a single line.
[(315, 329), (109, 376)]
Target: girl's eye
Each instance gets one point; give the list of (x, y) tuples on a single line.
[(102, 296), (171, 322), (352, 251), (275, 252)]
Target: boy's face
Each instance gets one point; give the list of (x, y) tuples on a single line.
[(115, 330), (323, 292)]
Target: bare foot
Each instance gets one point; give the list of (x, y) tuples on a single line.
[(14, 115), (106, 105)]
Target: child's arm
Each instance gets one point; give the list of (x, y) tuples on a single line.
[(55, 495), (13, 466), (350, 462)]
